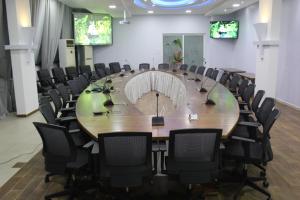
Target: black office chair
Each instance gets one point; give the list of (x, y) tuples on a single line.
[(59, 75), (209, 72), (201, 70), (256, 152), (66, 96), (86, 69), (246, 96), (58, 105), (115, 67), (61, 156), (45, 80), (233, 83), (183, 67), (194, 155), (214, 74), (241, 88), (193, 68), (125, 158), (75, 87), (254, 105), (84, 81), (144, 66), (127, 67), (99, 66), (71, 72), (224, 78), (164, 66)]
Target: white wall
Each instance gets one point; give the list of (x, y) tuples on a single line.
[(289, 54), (143, 39)]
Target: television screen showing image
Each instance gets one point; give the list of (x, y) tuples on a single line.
[(224, 29), (92, 29)]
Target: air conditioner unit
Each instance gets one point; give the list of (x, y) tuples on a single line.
[(66, 53)]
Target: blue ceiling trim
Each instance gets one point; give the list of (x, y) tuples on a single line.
[(172, 4)]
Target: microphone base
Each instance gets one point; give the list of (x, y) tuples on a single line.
[(121, 75), (108, 81), (203, 90), (158, 121), (132, 71), (210, 102), (108, 103), (174, 70), (185, 74), (197, 80)]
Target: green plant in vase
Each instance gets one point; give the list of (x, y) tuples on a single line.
[(177, 56)]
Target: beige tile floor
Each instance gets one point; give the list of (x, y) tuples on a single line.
[(18, 140)]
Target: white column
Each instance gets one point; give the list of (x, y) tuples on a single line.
[(22, 57), (267, 64)]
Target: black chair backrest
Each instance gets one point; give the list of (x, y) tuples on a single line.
[(58, 147), (224, 78), (115, 67), (163, 66), (265, 109), (145, 66), (201, 70), (193, 68), (248, 94), (56, 100), (233, 83), (183, 67), (195, 153), (48, 112), (209, 72), (107, 71), (99, 66), (215, 74), (257, 99), (100, 72), (273, 116), (71, 72), (44, 78), (59, 75), (86, 69), (127, 67), (64, 93), (126, 157), (83, 81), (244, 84), (75, 86)]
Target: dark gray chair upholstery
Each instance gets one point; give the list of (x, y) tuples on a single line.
[(209, 72), (65, 95), (127, 67), (164, 66), (194, 155), (233, 83), (201, 70), (59, 75), (224, 78), (115, 67), (75, 87), (107, 71), (242, 87), (86, 69), (183, 67), (71, 72), (144, 66), (100, 69), (193, 68), (215, 74), (125, 158), (45, 80), (61, 156)]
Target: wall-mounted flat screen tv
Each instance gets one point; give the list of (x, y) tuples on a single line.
[(224, 29), (92, 29)]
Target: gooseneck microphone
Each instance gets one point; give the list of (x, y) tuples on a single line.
[(202, 89), (209, 101), (157, 120)]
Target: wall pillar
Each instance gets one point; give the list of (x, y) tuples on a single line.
[(268, 52), (22, 57)]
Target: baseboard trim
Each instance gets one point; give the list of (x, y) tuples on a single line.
[(288, 104), (26, 115)]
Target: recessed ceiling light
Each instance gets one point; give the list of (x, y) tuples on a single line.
[(225, 10), (150, 11), (188, 11), (236, 5), (112, 6)]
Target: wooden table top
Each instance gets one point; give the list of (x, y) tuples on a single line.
[(232, 70), (250, 76), (124, 116)]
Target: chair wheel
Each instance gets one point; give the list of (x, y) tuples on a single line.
[(265, 184), (262, 174)]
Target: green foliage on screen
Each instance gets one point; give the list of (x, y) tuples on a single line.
[(92, 29), (224, 29)]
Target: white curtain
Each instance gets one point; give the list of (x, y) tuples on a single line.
[(52, 30), (67, 31), (38, 8)]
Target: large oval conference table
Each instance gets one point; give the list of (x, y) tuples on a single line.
[(183, 92)]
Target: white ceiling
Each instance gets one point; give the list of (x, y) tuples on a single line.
[(217, 7)]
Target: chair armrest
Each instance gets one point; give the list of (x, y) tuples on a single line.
[(250, 124), (245, 112), (71, 101), (74, 131), (243, 139), (69, 109), (66, 119)]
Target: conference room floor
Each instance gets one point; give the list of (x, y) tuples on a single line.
[(18, 136)]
